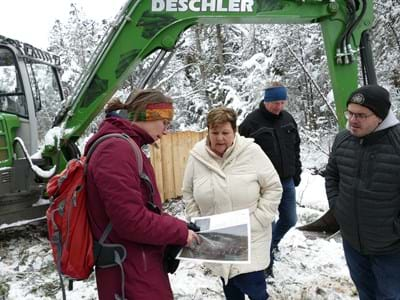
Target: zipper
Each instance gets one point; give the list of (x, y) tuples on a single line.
[(371, 163), (277, 148), (356, 204)]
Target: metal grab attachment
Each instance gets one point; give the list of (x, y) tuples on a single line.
[(326, 223)]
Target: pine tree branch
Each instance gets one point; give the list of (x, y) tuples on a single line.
[(317, 145), (312, 80), (173, 74)]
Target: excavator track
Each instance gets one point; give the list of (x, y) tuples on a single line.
[(32, 230), (16, 208)]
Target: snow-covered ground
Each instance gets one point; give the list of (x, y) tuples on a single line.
[(306, 267), (309, 267)]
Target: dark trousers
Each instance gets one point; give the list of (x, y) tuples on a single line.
[(287, 212), (251, 284), (376, 277)]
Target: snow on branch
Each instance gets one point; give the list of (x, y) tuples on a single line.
[(173, 74), (313, 81)]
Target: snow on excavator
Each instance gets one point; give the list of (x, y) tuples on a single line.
[(28, 75)]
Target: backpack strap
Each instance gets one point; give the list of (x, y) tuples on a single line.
[(124, 136), (110, 255), (143, 176), (139, 160)]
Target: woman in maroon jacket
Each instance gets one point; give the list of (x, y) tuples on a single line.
[(116, 194)]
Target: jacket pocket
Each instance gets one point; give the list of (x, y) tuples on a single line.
[(396, 225), (244, 189), (259, 231), (289, 133), (265, 137), (203, 191)]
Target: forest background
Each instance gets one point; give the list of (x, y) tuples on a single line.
[(232, 65)]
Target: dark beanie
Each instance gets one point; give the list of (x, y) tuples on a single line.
[(275, 93), (374, 97)]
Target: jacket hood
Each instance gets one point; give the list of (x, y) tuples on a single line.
[(120, 125), (200, 153), (389, 121)]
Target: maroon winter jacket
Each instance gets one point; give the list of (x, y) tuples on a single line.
[(116, 194)]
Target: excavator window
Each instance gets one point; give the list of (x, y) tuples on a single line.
[(44, 84), (46, 93), (12, 97)]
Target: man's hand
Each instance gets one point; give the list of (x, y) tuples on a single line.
[(192, 239)]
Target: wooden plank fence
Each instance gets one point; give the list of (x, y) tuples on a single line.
[(169, 160)]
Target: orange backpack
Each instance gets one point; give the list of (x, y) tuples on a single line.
[(67, 221), (75, 253)]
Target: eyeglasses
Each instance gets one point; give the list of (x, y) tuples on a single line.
[(167, 124), (349, 114)]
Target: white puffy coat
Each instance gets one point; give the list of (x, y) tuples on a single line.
[(243, 178)]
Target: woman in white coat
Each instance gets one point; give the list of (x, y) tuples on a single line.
[(227, 172)]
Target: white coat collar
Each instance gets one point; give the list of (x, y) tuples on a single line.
[(201, 153)]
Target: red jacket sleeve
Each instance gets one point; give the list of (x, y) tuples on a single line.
[(115, 173)]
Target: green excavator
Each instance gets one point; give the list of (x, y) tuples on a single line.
[(28, 76)]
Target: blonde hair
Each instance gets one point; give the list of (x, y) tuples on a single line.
[(221, 115), (276, 83)]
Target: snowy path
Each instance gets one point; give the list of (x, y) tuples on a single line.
[(305, 268)]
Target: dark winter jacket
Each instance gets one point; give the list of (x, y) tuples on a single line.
[(277, 135), (116, 194), (363, 188)]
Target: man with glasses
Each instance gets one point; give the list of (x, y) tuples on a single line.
[(363, 189)]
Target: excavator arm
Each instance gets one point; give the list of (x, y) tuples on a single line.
[(144, 26)]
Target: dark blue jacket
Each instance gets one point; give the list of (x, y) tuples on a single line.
[(278, 136), (363, 188)]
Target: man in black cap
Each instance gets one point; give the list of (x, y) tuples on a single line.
[(363, 189)]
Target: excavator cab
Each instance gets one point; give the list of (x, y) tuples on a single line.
[(12, 97), (29, 77)]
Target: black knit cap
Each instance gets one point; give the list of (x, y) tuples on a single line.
[(374, 97)]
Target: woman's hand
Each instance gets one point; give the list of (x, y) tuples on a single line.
[(192, 239)]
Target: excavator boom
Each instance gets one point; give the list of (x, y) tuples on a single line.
[(145, 26)]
